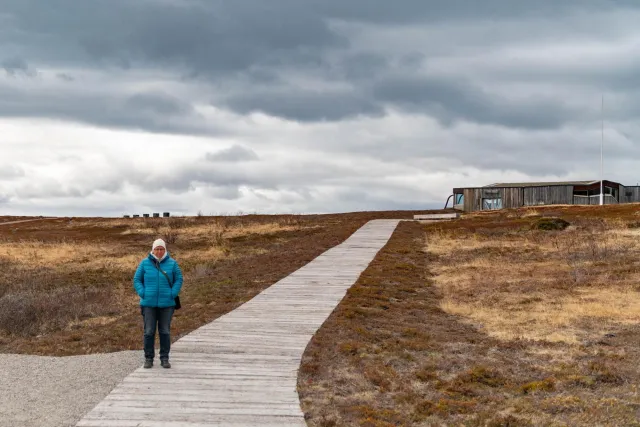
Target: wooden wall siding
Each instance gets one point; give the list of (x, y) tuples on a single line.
[(555, 195), (609, 200), (581, 200), (595, 200), (472, 199), (512, 197), (635, 194)]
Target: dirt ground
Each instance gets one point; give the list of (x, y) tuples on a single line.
[(512, 318)]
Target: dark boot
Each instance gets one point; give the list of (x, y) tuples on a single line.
[(165, 364), (148, 363)]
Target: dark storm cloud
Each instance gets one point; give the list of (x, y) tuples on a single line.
[(208, 38), (157, 112), (261, 43), (451, 100), (219, 36)]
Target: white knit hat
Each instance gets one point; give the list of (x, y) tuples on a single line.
[(158, 242)]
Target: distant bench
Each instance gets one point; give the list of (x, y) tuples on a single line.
[(437, 217)]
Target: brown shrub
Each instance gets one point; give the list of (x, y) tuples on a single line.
[(171, 235), (381, 376), (36, 312), (482, 375), (604, 372), (377, 417), (427, 373), (202, 270), (548, 384), (446, 407), (548, 224)]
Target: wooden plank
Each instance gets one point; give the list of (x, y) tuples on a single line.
[(241, 369), (226, 421)]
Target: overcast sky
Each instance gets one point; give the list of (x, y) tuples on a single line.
[(109, 107)]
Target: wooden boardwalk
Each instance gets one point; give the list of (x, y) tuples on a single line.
[(241, 369)]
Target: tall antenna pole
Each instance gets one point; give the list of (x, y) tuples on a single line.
[(601, 157)]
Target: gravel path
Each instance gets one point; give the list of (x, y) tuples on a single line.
[(58, 391)]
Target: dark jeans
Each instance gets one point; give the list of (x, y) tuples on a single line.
[(162, 318)]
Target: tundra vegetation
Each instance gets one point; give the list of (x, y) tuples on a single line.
[(512, 318), (66, 284), (522, 317)]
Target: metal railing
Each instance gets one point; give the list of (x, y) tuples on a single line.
[(594, 200)]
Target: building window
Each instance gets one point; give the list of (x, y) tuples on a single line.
[(491, 204), (491, 199), (459, 199)]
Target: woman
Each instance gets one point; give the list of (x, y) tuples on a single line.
[(157, 282)]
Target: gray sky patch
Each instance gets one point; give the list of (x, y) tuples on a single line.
[(236, 153)]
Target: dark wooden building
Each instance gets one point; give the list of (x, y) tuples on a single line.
[(515, 195)]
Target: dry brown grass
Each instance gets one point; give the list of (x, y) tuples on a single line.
[(66, 284), (487, 321), (202, 241), (555, 281)]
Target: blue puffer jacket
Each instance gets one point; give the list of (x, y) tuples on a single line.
[(152, 286)]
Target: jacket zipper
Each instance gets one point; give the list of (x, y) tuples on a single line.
[(158, 281)]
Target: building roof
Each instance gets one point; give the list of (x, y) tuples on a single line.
[(541, 184)]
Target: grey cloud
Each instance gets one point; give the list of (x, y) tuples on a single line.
[(106, 182), (206, 38), (62, 190), (531, 152), (452, 100), (306, 105), (65, 77), (236, 153), (17, 66), (360, 199), (363, 66), (435, 11), (252, 54), (186, 179), (155, 112), (9, 172), (159, 103), (224, 192), (209, 37), (257, 175)]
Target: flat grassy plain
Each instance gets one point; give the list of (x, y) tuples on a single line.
[(66, 284), (14, 218), (495, 319), (510, 318)]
